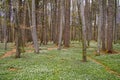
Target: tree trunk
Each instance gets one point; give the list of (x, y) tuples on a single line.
[(103, 24), (83, 32), (110, 19), (99, 26), (33, 28), (88, 20), (78, 5), (5, 31), (61, 25), (115, 23), (67, 24), (17, 35), (4, 24)]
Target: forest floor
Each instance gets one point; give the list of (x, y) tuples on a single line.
[(8, 53), (52, 64)]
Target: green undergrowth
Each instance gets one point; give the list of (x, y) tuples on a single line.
[(2, 49), (110, 60), (54, 64)]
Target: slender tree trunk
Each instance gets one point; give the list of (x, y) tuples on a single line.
[(21, 21), (45, 37), (17, 34), (87, 20), (67, 24), (29, 23), (110, 19), (5, 32), (83, 32), (115, 23), (4, 24), (104, 24), (99, 26), (61, 25), (33, 28), (78, 5), (24, 24), (57, 22), (54, 27)]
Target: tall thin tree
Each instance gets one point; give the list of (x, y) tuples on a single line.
[(99, 26), (33, 28), (61, 25), (67, 23), (83, 31), (110, 21)]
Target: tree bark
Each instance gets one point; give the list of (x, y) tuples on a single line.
[(67, 24), (99, 26), (61, 25), (83, 32), (110, 19), (104, 24), (17, 34), (33, 28), (88, 21)]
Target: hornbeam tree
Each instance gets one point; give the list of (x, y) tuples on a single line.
[(83, 31), (110, 21), (33, 28), (99, 26), (104, 10), (61, 25), (67, 23)]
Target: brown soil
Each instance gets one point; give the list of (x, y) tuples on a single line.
[(105, 52), (112, 52), (9, 53), (54, 48), (12, 69)]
